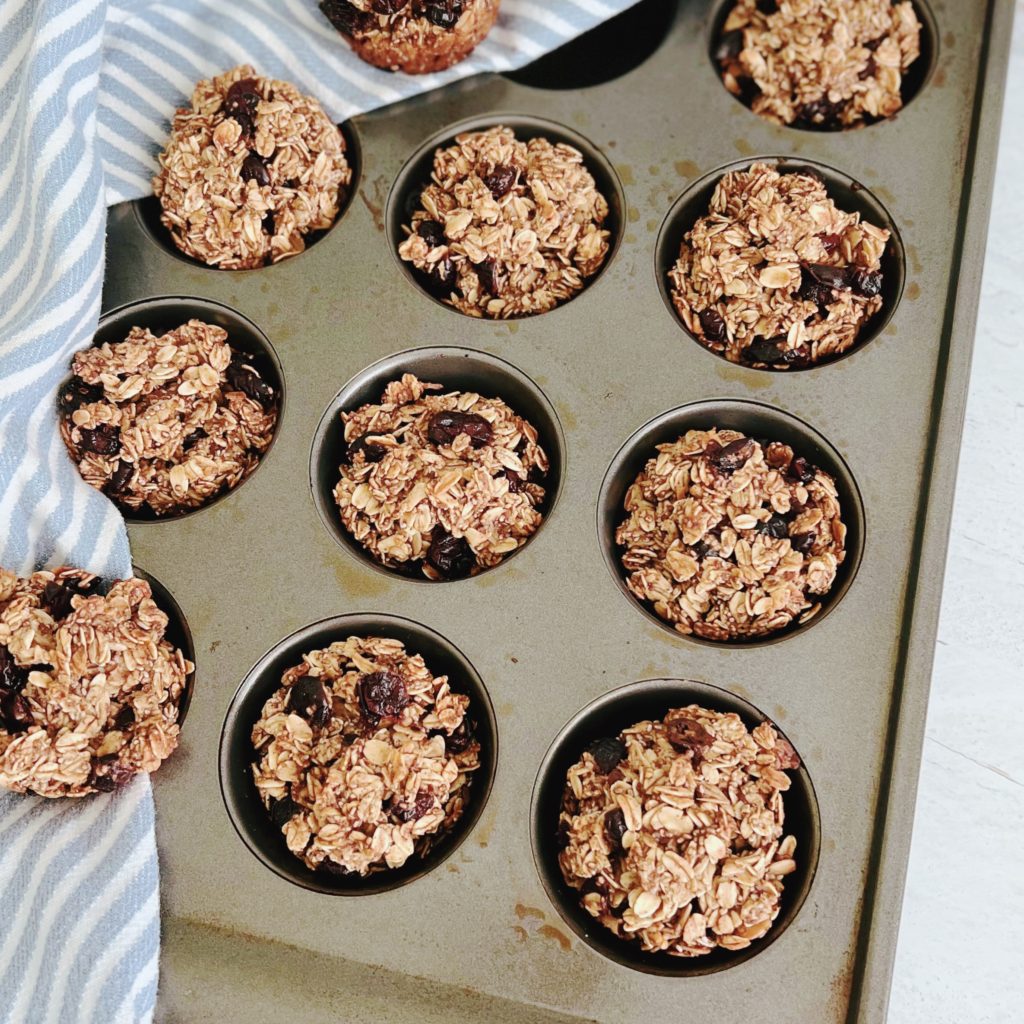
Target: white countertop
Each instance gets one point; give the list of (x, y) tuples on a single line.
[(961, 948)]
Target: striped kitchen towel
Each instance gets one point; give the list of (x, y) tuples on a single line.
[(87, 89)]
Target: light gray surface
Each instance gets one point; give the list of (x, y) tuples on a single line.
[(260, 564)]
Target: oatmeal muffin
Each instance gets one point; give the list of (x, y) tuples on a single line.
[(775, 275), (507, 228), (414, 36), (364, 758), (673, 832), (167, 423), (730, 538), (819, 64), (251, 168), (90, 687), (442, 485)]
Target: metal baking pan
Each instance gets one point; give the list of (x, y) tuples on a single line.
[(548, 632)]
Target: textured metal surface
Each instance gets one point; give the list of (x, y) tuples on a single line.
[(549, 631)]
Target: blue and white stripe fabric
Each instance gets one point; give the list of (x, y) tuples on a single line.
[(87, 89)]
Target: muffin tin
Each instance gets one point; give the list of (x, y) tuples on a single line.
[(547, 632)]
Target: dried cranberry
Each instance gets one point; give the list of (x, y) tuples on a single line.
[(242, 377), (866, 282), (382, 695), (76, 393), (343, 15), (282, 811), (308, 698), (254, 168), (607, 753), (733, 455), (801, 470), (104, 440), (803, 542), (388, 6), (713, 326), (765, 350), (451, 556), (786, 757), (125, 717), (120, 478), (115, 774), (459, 740), (444, 13), (415, 810), (776, 527), (500, 180), (828, 275), (442, 277), (615, 828), (830, 242), (492, 276), (432, 232), (193, 439), (562, 835), (56, 597), (686, 734), (515, 481), (445, 427), (15, 712), (820, 113), (242, 96), (12, 676), (371, 452), (729, 46)]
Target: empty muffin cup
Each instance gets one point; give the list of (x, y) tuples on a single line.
[(781, 437), (252, 819), (456, 370), (595, 728)]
